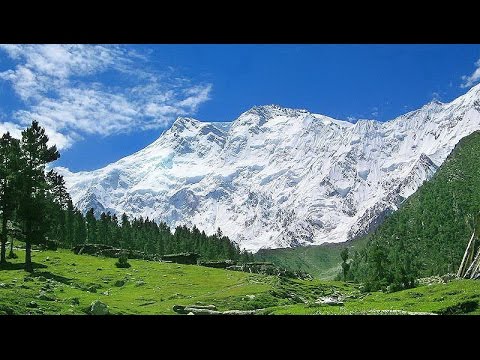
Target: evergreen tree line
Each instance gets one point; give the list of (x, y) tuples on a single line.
[(38, 204), (429, 233), (71, 228)]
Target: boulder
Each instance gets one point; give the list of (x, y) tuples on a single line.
[(119, 283), (329, 300), (98, 308), (43, 296), (239, 312), (32, 305)]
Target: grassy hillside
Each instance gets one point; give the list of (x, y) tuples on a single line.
[(429, 233), (322, 262), (64, 283)]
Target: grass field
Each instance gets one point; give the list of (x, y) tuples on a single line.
[(64, 283)]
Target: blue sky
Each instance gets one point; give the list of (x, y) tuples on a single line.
[(102, 102)]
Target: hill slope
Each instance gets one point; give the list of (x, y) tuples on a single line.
[(64, 283), (321, 261), (278, 177), (429, 233)]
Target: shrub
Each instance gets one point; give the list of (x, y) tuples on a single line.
[(122, 262)]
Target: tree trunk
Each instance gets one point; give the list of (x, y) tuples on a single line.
[(28, 256), (28, 249), (467, 257), (3, 250), (11, 245)]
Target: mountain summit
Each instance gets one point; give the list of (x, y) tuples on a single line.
[(279, 177)]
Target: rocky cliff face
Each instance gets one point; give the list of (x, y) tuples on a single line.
[(278, 177)]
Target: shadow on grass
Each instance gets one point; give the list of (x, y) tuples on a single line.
[(20, 266), (49, 275)]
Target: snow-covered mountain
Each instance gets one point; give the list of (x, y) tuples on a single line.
[(278, 177)]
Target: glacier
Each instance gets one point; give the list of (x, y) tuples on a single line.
[(279, 177)]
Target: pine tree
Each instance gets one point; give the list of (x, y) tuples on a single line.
[(35, 154), (91, 223), (9, 167)]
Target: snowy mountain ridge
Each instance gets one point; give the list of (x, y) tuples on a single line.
[(279, 177)]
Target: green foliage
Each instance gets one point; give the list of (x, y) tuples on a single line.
[(430, 231), (122, 262)]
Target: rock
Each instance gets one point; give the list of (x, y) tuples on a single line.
[(119, 283), (250, 297), (106, 293), (32, 305), (93, 288), (239, 312), (329, 300), (47, 258), (164, 275), (98, 308), (190, 313), (196, 311), (75, 301), (180, 309), (448, 277), (140, 283), (43, 296)]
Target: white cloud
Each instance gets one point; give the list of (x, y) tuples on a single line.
[(54, 81), (14, 129), (469, 81)]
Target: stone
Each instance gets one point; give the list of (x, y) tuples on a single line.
[(329, 300), (140, 283), (32, 305), (239, 312), (47, 258), (190, 313), (250, 297), (43, 296), (99, 308), (93, 288), (119, 283), (75, 301)]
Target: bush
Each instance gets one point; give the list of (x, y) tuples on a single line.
[(122, 262)]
